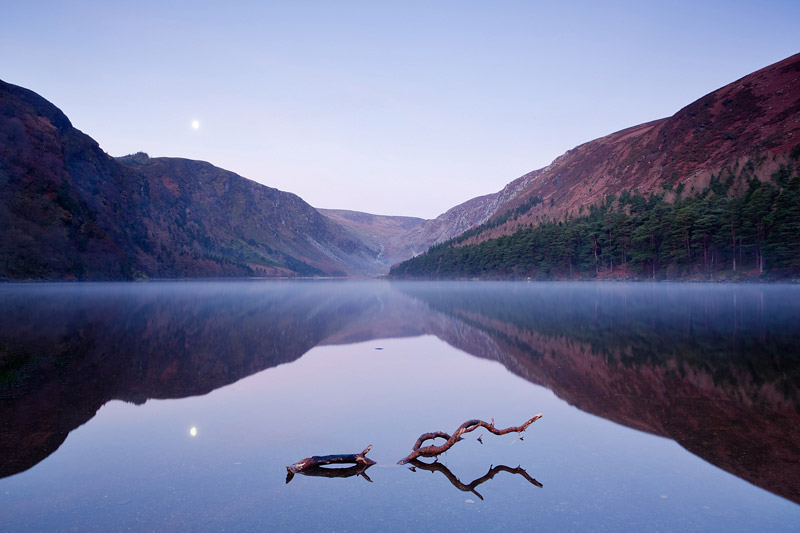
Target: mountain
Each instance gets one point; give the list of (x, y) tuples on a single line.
[(726, 144), (70, 211), (755, 118)]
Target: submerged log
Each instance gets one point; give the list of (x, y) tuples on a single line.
[(471, 487), (314, 465), (470, 425)]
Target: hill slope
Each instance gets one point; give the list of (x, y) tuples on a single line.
[(756, 118), (69, 210), (726, 144)]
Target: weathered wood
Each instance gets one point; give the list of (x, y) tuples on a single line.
[(314, 465), (471, 487), (470, 425)]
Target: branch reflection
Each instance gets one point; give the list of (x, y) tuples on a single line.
[(471, 487), (323, 471)]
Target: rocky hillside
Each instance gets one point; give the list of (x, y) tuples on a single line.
[(70, 211), (379, 232)]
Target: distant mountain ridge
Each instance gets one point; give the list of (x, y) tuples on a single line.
[(755, 117), (379, 232)]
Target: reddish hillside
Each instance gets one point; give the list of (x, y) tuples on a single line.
[(753, 120)]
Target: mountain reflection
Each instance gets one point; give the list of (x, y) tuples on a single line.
[(69, 349), (717, 369)]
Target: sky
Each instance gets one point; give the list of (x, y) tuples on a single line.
[(396, 108)]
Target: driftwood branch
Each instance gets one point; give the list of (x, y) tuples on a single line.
[(314, 465), (471, 487), (470, 425)]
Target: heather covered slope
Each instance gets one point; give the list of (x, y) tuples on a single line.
[(70, 211), (754, 119)]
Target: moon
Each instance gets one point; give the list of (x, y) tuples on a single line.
[(195, 124)]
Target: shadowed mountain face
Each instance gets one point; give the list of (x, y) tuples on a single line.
[(714, 368), (68, 210)]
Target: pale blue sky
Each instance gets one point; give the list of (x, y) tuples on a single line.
[(402, 108)]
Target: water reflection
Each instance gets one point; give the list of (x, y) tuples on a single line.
[(332, 472), (717, 369), (69, 349)]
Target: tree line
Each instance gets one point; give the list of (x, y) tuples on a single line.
[(702, 236)]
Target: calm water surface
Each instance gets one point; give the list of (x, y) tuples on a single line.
[(167, 406)]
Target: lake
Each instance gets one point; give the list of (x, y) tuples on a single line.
[(178, 405)]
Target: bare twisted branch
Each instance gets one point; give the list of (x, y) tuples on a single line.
[(466, 427)]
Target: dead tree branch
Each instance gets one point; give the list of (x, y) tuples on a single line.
[(466, 427), (313, 465)]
